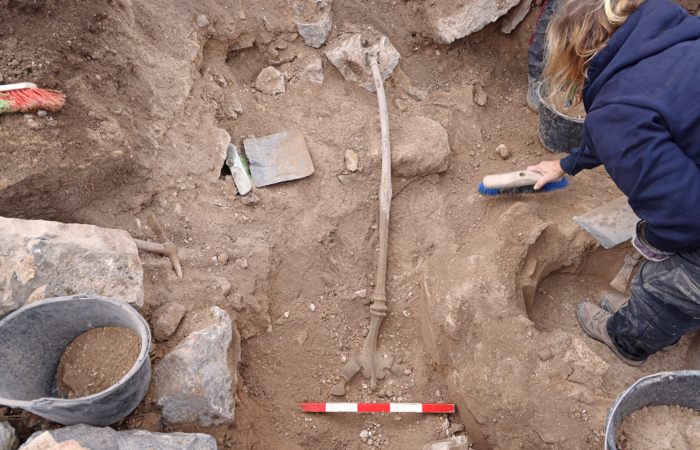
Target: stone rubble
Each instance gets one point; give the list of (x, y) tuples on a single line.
[(41, 259), (349, 57), (8, 437), (193, 382), (471, 17), (316, 34), (165, 320), (270, 81), (108, 439)]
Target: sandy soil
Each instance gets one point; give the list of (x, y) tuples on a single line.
[(97, 360), (660, 427), (150, 94), (559, 101)]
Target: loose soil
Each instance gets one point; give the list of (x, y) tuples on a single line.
[(660, 427), (96, 360), (559, 102), (150, 94)]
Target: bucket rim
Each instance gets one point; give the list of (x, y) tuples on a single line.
[(143, 353), (645, 382), (551, 108)]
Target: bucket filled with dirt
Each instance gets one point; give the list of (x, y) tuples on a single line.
[(560, 125), (81, 359), (660, 409)]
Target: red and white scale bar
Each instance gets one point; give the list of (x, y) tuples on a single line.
[(435, 408)]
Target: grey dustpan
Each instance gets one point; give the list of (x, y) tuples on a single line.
[(610, 224), (277, 158)]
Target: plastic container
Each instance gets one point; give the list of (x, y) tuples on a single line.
[(680, 388), (32, 341), (559, 133)]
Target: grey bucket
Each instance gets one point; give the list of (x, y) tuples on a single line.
[(559, 133), (680, 388), (32, 340)]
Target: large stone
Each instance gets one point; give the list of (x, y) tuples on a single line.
[(419, 146), (166, 319), (314, 71), (108, 439), (41, 259), (270, 81), (349, 57), (316, 34), (8, 437), (472, 16), (194, 382), (515, 16)]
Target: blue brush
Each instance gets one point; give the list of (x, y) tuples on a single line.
[(521, 182)]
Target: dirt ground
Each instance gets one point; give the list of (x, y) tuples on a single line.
[(151, 96)]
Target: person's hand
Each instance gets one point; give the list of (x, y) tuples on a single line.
[(551, 171)]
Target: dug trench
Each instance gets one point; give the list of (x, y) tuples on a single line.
[(481, 291)]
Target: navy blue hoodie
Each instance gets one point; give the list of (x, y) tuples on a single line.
[(643, 124)]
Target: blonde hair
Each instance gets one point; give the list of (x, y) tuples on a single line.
[(580, 30)]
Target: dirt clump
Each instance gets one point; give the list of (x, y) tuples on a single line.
[(97, 360), (660, 427)]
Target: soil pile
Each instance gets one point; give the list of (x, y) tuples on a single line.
[(559, 102), (661, 427), (96, 360)]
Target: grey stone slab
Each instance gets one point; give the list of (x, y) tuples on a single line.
[(41, 259)]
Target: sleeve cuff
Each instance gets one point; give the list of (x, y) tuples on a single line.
[(568, 164)]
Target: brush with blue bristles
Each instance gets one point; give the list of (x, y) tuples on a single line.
[(522, 182)]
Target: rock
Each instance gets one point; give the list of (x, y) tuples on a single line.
[(515, 16), (242, 263), (202, 21), (8, 437), (362, 293), (456, 428), (407, 372), (454, 443), (502, 151), (193, 382), (419, 147), (165, 320), (222, 258), (241, 15), (470, 17), (302, 337), (315, 34), (41, 112), (270, 81), (580, 355), (480, 97), (66, 259), (545, 354), (349, 58), (351, 162), (108, 439), (314, 71), (224, 285), (364, 434)]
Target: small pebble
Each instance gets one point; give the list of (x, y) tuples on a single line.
[(407, 372), (41, 113), (312, 307), (286, 314)]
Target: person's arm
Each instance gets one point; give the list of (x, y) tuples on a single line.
[(661, 181), (580, 158)]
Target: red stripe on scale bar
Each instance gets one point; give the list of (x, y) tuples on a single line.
[(426, 408)]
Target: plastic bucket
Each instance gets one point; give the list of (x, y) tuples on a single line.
[(32, 341), (680, 388), (559, 133)]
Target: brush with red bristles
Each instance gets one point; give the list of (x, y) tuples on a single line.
[(27, 97)]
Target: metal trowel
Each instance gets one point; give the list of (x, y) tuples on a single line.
[(612, 224)]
